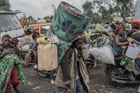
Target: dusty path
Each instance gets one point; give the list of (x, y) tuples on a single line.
[(99, 83)]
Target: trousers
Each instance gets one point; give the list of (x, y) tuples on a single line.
[(79, 88)]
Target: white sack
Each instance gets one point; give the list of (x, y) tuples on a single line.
[(103, 54)]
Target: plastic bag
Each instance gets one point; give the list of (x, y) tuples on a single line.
[(103, 54), (133, 51)]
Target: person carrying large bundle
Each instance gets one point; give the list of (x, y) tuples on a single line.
[(68, 24)]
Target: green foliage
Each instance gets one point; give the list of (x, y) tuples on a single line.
[(31, 20), (96, 18), (5, 8), (88, 9), (107, 9), (4, 5)]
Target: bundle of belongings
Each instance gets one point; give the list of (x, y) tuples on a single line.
[(99, 38), (101, 50), (67, 24)]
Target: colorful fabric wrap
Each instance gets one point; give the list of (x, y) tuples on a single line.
[(6, 66)]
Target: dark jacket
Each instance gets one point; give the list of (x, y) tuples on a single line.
[(67, 71)]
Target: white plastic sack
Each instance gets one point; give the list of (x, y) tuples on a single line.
[(103, 54), (133, 51)]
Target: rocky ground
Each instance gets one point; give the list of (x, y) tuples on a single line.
[(99, 83)]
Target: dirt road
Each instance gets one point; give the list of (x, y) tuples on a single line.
[(98, 83)]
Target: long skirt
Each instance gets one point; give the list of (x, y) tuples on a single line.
[(14, 81)]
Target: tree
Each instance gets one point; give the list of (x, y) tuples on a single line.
[(88, 9), (87, 6), (122, 8), (31, 20), (94, 17), (126, 8), (107, 9), (4, 5)]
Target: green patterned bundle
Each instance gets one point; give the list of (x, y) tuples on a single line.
[(68, 23)]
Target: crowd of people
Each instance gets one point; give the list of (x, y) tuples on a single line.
[(121, 35), (72, 74)]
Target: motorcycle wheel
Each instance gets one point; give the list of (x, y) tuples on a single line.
[(111, 72), (43, 74)]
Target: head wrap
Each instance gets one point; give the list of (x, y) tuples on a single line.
[(118, 28)]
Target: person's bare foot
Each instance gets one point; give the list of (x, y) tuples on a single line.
[(94, 63)]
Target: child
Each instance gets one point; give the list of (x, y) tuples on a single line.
[(33, 48)]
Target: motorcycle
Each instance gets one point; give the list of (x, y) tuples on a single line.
[(118, 74)]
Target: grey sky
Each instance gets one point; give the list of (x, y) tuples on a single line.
[(41, 8)]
